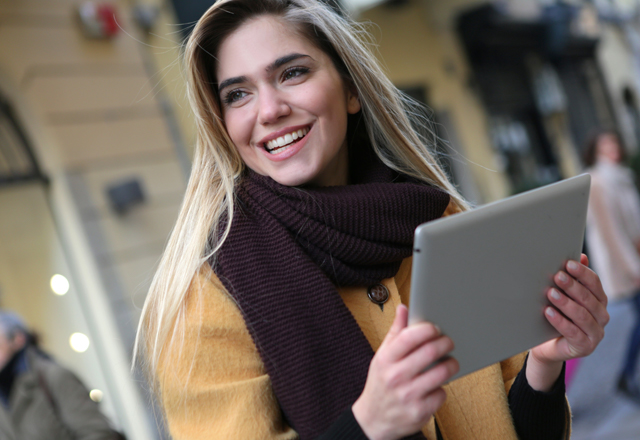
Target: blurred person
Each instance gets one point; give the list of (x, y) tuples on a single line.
[(40, 399), (613, 236), (278, 310)]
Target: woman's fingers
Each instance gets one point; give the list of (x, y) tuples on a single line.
[(581, 336), (569, 346), (426, 356), (578, 314), (591, 300), (419, 391), (579, 311), (587, 278), (584, 260), (410, 351), (402, 340), (437, 375), (399, 323)]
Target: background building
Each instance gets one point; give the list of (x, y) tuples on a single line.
[(92, 173)]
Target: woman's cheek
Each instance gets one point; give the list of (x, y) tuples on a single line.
[(238, 129)]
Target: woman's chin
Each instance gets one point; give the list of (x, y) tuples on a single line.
[(294, 177), (291, 180)]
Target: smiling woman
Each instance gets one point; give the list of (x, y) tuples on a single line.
[(278, 309)]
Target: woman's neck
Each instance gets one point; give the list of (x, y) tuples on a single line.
[(336, 173)]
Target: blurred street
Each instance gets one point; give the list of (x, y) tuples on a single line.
[(600, 411)]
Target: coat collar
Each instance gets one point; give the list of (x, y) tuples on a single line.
[(25, 386)]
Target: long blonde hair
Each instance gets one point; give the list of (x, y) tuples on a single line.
[(392, 122)]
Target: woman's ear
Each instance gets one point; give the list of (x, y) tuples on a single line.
[(353, 101)]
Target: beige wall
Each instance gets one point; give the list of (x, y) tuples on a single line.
[(96, 112), (97, 102), (419, 49)]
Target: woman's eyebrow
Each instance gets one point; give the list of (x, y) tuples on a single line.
[(284, 60), (231, 81)]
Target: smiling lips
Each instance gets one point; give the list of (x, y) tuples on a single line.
[(281, 143)]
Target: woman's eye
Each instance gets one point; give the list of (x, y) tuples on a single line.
[(233, 96), (294, 72)]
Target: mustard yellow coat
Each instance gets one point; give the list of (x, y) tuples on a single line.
[(214, 385)]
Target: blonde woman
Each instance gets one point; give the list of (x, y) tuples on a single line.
[(278, 310)]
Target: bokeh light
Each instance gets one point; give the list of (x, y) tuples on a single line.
[(79, 342), (59, 284), (96, 395)]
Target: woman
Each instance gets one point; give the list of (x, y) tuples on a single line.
[(289, 265), (613, 236)]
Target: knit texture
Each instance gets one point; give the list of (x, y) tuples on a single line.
[(345, 428), (288, 251), (538, 415)]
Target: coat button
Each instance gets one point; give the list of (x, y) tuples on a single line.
[(378, 294)]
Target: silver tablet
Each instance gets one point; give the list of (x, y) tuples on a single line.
[(481, 275)]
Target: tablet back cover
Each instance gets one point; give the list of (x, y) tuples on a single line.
[(482, 275)]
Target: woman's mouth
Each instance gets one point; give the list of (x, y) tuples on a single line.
[(282, 143)]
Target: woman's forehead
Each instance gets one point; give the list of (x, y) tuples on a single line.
[(257, 43)]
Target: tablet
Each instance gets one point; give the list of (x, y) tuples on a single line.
[(481, 275)]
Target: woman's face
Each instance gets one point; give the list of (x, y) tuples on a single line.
[(284, 104), (608, 148)]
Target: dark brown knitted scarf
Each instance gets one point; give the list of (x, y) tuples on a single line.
[(288, 252)]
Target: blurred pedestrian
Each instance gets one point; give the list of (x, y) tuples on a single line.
[(40, 399), (613, 236)]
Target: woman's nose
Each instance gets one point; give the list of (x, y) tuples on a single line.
[(272, 106)]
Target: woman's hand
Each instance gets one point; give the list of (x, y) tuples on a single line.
[(579, 313), (402, 392)]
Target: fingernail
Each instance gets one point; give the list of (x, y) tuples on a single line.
[(550, 312), (572, 265), (563, 277), (437, 329), (555, 294)]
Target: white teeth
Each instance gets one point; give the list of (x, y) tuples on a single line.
[(275, 144)]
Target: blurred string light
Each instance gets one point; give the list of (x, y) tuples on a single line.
[(79, 342), (59, 284), (96, 395)]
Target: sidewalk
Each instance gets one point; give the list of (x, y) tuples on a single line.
[(600, 411)]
